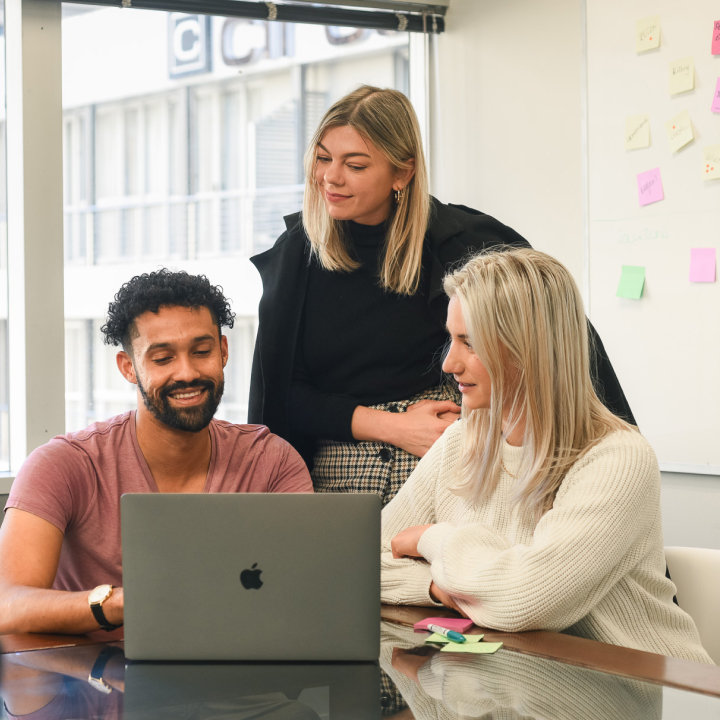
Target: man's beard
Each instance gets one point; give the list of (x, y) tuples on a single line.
[(190, 419)]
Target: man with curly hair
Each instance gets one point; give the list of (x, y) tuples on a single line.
[(61, 535)]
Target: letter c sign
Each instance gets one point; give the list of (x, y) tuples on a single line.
[(188, 44)]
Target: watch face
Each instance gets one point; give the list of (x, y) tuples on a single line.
[(99, 594), (99, 683)]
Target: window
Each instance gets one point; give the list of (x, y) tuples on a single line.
[(183, 146), (4, 399)]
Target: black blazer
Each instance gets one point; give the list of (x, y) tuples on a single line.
[(455, 232)]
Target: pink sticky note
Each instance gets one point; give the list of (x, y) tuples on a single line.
[(702, 265), (715, 107), (650, 188), (456, 624), (716, 38)]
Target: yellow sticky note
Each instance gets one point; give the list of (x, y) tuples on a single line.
[(637, 132), (442, 640), (679, 131), (647, 34), (682, 75), (482, 648), (711, 162)]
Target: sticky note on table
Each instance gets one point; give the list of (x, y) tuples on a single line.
[(702, 265), (715, 107), (647, 34), (650, 188), (682, 75), (679, 131), (435, 638), (481, 648), (632, 282), (457, 624), (716, 38), (711, 162), (637, 132)]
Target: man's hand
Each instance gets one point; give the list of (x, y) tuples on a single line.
[(29, 554), (439, 595), (405, 543), (113, 607)]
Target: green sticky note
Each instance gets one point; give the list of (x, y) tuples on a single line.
[(481, 648), (436, 638), (632, 282)]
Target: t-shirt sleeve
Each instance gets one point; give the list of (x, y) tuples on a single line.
[(54, 483), (286, 471)]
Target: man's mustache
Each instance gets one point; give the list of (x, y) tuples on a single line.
[(195, 385)]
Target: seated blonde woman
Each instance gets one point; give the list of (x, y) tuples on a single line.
[(539, 509)]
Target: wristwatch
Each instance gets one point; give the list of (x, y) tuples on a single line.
[(96, 598), (96, 674)]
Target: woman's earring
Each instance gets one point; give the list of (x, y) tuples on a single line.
[(399, 195)]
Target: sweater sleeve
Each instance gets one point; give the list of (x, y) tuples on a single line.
[(584, 545), (407, 581)]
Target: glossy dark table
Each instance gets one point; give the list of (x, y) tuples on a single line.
[(535, 675)]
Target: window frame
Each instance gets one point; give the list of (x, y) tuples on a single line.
[(35, 127)]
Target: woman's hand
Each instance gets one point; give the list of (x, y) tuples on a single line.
[(423, 423), (439, 595), (408, 662), (405, 543), (414, 431)]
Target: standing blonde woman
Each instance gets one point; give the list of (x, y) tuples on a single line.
[(540, 510), (352, 318)]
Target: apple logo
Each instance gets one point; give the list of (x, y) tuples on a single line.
[(250, 579)]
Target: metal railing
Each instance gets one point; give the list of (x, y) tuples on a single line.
[(209, 224)]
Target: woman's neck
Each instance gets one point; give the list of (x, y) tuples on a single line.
[(513, 430)]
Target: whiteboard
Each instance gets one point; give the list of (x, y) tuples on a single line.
[(665, 347)]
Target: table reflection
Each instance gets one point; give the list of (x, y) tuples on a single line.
[(411, 682), (506, 685), (84, 683)]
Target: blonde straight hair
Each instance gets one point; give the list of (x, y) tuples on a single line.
[(523, 311), (387, 119)]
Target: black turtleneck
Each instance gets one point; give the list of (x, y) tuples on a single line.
[(360, 344)]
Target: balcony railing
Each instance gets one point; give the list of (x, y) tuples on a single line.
[(210, 224)]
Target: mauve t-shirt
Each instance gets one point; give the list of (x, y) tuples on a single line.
[(75, 482)]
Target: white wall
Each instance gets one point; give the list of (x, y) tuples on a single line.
[(509, 143), (510, 118)]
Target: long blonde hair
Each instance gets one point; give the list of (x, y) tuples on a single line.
[(387, 119), (522, 308)]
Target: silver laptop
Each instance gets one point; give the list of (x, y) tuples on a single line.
[(251, 576)]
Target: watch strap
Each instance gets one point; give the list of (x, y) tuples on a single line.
[(102, 621), (96, 674)]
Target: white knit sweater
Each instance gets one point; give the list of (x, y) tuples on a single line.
[(593, 566)]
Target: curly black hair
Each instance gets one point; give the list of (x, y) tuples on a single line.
[(151, 291)]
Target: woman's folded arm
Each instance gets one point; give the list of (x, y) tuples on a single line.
[(407, 581), (584, 545)]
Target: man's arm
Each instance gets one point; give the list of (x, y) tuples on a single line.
[(29, 554)]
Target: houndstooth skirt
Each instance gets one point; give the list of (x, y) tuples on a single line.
[(371, 467)]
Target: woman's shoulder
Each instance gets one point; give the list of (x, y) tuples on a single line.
[(293, 242), (468, 230), (449, 444), (622, 454), (294, 231), (626, 439)]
